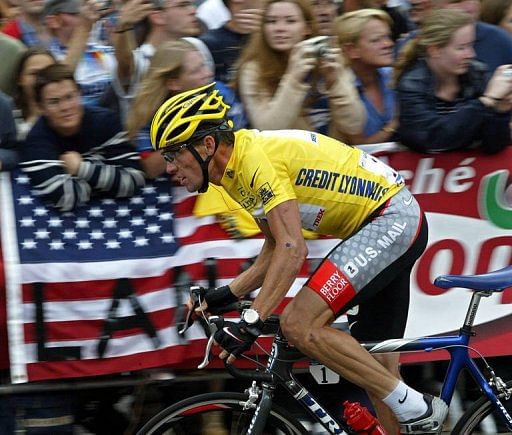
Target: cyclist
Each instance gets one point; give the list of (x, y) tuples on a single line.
[(291, 180)]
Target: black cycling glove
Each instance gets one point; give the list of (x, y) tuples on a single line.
[(219, 297), (235, 338)]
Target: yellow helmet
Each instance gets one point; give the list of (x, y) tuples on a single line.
[(188, 115)]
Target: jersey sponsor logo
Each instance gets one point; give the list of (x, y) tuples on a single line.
[(311, 216), (266, 194), (351, 269), (247, 199), (341, 183), (318, 218), (332, 285), (251, 184), (362, 259), (230, 173), (392, 234)]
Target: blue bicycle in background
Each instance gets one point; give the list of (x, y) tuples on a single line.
[(255, 412)]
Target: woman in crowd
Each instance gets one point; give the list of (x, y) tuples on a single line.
[(284, 81), (365, 39), (27, 110), (446, 101), (176, 67), (497, 12)]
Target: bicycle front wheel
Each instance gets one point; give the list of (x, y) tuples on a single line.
[(221, 413), (470, 422)]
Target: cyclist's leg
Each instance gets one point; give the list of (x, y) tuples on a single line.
[(306, 323), (385, 415), (377, 319), (383, 249)]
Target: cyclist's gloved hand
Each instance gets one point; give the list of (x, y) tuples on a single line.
[(219, 298), (236, 338)]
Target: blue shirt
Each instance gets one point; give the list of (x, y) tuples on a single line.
[(377, 120)]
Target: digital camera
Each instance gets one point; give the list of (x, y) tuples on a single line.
[(320, 45)]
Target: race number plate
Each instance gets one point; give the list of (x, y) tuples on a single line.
[(322, 374)]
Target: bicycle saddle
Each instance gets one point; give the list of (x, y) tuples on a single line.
[(493, 281)]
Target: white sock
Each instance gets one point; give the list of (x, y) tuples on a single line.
[(406, 402)]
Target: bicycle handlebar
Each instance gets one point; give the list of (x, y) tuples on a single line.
[(210, 328)]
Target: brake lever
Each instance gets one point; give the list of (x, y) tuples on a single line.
[(209, 344), (196, 292)]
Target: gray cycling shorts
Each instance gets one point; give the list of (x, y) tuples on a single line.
[(370, 270)]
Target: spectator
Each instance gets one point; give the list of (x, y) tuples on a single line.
[(8, 10), (74, 152), (325, 11), (365, 39), (176, 67), (10, 52), (8, 153), (445, 100), (165, 20), (284, 82), (26, 109), (493, 45), (497, 12), (70, 26), (418, 12), (225, 43), (399, 23), (29, 26)]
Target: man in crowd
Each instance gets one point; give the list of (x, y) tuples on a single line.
[(29, 27), (75, 152), (226, 42)]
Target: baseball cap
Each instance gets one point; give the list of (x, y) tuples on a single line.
[(54, 7)]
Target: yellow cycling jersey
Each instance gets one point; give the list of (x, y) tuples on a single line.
[(337, 187)]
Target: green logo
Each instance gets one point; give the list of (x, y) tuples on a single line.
[(492, 199)]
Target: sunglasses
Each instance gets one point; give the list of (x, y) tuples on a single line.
[(169, 156)]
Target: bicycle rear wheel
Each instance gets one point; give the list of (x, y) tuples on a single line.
[(190, 416), (470, 422)]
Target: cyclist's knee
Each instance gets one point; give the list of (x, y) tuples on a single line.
[(292, 326)]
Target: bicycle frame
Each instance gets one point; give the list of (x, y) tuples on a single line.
[(458, 347), (282, 357)]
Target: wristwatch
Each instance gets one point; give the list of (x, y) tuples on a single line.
[(250, 316)]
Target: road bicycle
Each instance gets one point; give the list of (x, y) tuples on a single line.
[(255, 412)]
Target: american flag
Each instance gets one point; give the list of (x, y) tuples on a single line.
[(90, 287), (94, 291)]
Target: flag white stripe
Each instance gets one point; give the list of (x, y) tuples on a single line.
[(118, 347), (139, 268)]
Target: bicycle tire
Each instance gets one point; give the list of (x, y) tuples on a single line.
[(471, 419), (186, 417)]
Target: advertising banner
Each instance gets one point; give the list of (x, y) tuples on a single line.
[(98, 291)]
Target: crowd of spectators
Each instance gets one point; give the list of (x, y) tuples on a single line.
[(384, 73)]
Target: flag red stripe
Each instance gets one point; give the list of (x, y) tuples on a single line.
[(92, 290), (92, 329)]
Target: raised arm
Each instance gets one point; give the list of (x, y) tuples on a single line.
[(348, 114), (123, 38), (89, 14)]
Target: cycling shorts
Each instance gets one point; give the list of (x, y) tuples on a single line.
[(369, 272)]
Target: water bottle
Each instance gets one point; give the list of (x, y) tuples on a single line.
[(361, 420)]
